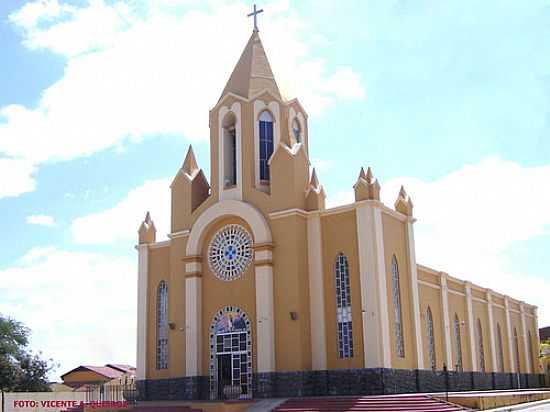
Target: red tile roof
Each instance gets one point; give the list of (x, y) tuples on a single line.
[(111, 371)]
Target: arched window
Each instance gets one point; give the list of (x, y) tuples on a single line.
[(266, 143), (397, 308), (431, 339), (458, 344), (162, 326), (229, 150), (297, 130), (516, 344), (343, 307), (480, 346), (530, 350), (500, 354)]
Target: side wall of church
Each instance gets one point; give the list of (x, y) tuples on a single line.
[(339, 234), (430, 298), (176, 308), (395, 244)]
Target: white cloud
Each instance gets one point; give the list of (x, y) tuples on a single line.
[(470, 220), (17, 177), (74, 302), (41, 220), (121, 222), (132, 72)]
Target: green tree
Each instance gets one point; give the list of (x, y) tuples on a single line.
[(20, 369)]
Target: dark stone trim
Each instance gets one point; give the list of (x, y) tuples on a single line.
[(373, 381)]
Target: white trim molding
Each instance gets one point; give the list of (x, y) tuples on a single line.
[(193, 325), (143, 281), (471, 326), (372, 276), (446, 323), (511, 345), (526, 348), (415, 296), (316, 293), (492, 330), (265, 329)]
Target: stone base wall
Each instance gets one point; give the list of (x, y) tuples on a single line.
[(375, 381)]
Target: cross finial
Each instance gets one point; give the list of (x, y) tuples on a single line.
[(255, 14)]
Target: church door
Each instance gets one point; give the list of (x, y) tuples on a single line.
[(230, 355)]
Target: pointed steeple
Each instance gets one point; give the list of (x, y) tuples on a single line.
[(366, 187), (252, 73), (315, 194), (147, 230), (190, 166), (404, 203), (314, 181)]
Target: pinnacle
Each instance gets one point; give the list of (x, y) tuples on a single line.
[(314, 182), (190, 163), (370, 176)]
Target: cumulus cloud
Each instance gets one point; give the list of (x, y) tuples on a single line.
[(72, 301), (41, 220), (17, 177), (132, 72), (121, 222), (470, 220)]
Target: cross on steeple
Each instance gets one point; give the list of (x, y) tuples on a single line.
[(255, 14)]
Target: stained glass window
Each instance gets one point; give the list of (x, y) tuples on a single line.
[(480, 346), (397, 308), (230, 252), (266, 143), (458, 344), (343, 307), (500, 357), (162, 325), (431, 340)]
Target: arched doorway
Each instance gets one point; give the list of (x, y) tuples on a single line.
[(230, 354)]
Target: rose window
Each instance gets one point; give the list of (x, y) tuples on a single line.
[(230, 252)]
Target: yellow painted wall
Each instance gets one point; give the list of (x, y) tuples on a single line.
[(431, 297), (499, 318), (395, 243), (339, 234), (457, 306), (84, 376), (176, 307), (481, 314)]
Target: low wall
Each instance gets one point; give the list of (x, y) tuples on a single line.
[(374, 381), (41, 401)]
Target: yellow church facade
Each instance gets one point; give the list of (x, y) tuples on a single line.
[(262, 291)]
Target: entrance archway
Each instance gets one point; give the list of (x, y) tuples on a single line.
[(230, 354)]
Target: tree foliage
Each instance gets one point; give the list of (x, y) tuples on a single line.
[(20, 369)]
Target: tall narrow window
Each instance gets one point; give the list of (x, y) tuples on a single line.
[(431, 340), (343, 307), (266, 143), (397, 308), (458, 344), (516, 344), (229, 136), (530, 350), (480, 346), (162, 326), (500, 357)]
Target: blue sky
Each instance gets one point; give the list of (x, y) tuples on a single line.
[(100, 99)]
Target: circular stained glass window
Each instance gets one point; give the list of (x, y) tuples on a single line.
[(230, 252)]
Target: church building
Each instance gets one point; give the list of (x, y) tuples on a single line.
[(261, 291)]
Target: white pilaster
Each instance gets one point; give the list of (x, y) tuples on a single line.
[(492, 331), (193, 324), (526, 348), (415, 297), (372, 276), (316, 293), (143, 278), (446, 323), (264, 318), (511, 343), (471, 326)]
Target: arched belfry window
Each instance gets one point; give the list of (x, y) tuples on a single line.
[(266, 143), (458, 344), (480, 346), (500, 354), (431, 339), (297, 130), (162, 325), (229, 144), (343, 307), (400, 346)]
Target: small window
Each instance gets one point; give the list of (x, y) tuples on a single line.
[(431, 339), (400, 345), (297, 130), (266, 143), (162, 326), (343, 307), (458, 344), (229, 136)]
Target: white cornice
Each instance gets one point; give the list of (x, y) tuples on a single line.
[(181, 233), (158, 245)]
